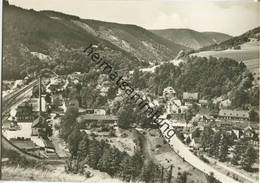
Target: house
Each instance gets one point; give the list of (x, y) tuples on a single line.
[(169, 93), (88, 121), (99, 111), (203, 103), (190, 97), (225, 103), (233, 114), (23, 132), (24, 113), (95, 111), (248, 132)]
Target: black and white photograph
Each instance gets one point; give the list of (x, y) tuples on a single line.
[(130, 91)]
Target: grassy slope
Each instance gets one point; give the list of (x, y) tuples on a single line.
[(235, 41)]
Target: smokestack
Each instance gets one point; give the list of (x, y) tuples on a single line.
[(40, 96)]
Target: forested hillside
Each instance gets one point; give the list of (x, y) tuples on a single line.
[(235, 41), (211, 77), (54, 40), (191, 38)]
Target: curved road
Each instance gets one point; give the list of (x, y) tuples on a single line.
[(188, 156)]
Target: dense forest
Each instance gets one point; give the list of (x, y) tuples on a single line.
[(100, 155), (211, 77)]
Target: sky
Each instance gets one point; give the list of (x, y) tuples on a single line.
[(232, 17)]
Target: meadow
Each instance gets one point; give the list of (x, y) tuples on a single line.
[(250, 57)]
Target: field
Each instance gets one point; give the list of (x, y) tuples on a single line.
[(249, 55)]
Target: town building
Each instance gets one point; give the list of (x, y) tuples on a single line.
[(190, 97), (169, 93), (24, 113), (248, 132), (203, 103), (88, 121), (233, 114)]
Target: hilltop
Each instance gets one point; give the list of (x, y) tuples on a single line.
[(235, 42), (191, 38), (59, 39)]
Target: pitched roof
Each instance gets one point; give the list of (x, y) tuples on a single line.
[(169, 89), (234, 113)]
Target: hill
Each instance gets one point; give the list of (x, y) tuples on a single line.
[(243, 48), (49, 39), (191, 38), (235, 42)]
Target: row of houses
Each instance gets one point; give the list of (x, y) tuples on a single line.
[(177, 106)]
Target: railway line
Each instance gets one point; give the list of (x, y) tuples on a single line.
[(11, 99)]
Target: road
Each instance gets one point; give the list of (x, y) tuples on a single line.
[(189, 157), (222, 165)]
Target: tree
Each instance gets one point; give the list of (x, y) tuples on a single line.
[(95, 153), (223, 150), (253, 116), (126, 116), (83, 147), (196, 133), (239, 149), (206, 137), (68, 122), (188, 140), (214, 144), (212, 179), (248, 158), (73, 141), (48, 98)]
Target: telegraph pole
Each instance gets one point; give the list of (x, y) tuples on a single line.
[(40, 97)]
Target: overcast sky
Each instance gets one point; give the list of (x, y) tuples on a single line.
[(233, 18)]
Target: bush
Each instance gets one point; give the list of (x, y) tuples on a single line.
[(158, 146)]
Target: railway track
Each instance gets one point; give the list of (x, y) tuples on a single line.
[(10, 100)]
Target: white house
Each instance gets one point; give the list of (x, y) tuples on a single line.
[(169, 93)]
